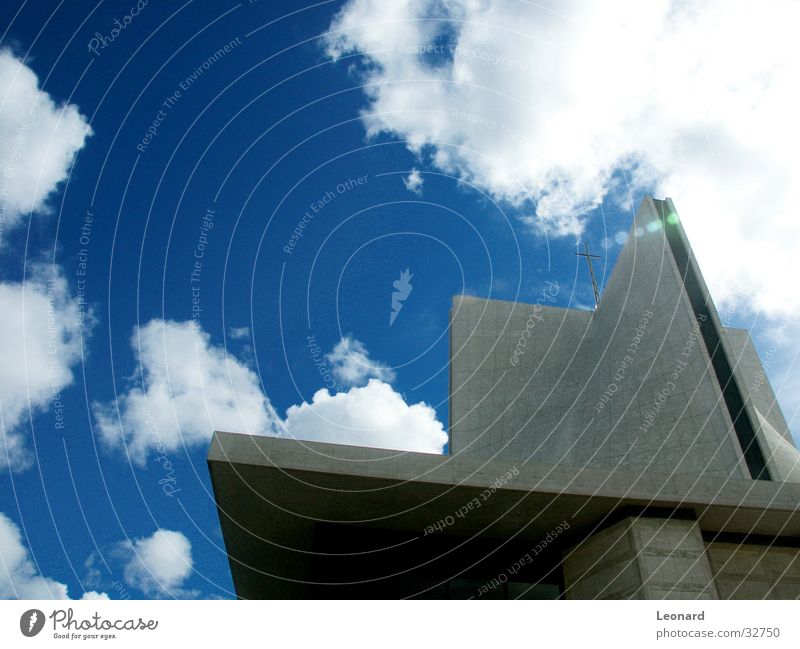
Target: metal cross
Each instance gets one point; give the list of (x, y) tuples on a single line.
[(591, 271)]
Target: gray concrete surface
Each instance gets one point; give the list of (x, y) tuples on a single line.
[(641, 558), (564, 401), (630, 384)]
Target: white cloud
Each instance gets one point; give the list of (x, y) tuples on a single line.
[(191, 388), (158, 565), (39, 345), (38, 141), (38, 336), (546, 108), (239, 333), (19, 578), (373, 415), (696, 100), (94, 595), (194, 387), (414, 182), (351, 364)]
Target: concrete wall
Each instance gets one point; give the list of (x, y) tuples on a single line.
[(655, 558), (640, 558), (585, 388), (753, 379), (777, 445), (604, 566), (746, 571), (510, 389), (653, 420)]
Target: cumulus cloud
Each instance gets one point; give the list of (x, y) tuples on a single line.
[(193, 387), (544, 108), (351, 364), (19, 578), (414, 182), (39, 345), (38, 336), (373, 415), (158, 565), (38, 141)]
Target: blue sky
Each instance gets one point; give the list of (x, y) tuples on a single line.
[(283, 120)]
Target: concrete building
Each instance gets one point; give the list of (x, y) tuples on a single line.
[(632, 451)]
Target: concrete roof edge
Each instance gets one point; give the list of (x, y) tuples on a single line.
[(293, 455)]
